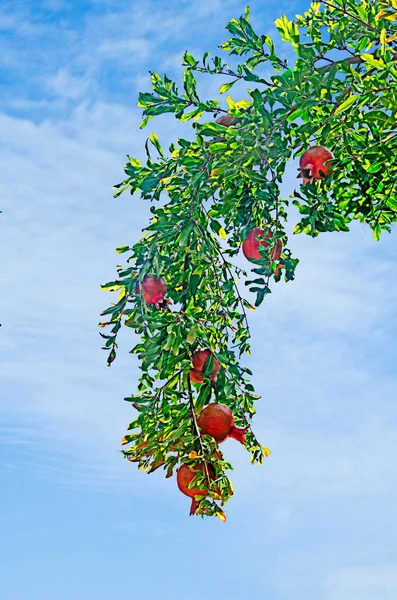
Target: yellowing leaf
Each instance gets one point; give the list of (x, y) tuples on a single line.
[(243, 104), (346, 104), (135, 162), (248, 305), (380, 15), (222, 233), (215, 495), (221, 515), (266, 451), (192, 454), (378, 63), (383, 40), (230, 102), (192, 334), (217, 171), (113, 288), (225, 87)]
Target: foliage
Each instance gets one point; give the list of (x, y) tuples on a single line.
[(208, 193)]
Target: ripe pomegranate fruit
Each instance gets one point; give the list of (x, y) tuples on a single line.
[(314, 164), (227, 120), (251, 244), (185, 476), (199, 359), (154, 290), (217, 420)]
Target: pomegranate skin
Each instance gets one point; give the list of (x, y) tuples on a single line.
[(227, 120), (314, 164), (184, 477), (199, 359), (217, 421), (153, 290), (251, 244)]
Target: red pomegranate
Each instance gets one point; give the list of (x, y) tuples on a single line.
[(217, 420), (154, 290), (314, 164), (227, 120), (185, 476), (199, 359), (251, 244)]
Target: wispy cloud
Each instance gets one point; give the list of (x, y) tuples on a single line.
[(133, 48), (66, 85), (362, 583)]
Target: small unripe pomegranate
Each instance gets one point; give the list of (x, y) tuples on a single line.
[(199, 359), (251, 244), (154, 290), (185, 476), (217, 420), (315, 164)]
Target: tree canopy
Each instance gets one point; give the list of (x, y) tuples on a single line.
[(207, 194)]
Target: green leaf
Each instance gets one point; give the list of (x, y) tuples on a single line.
[(185, 233), (155, 141), (346, 104), (192, 335), (217, 147), (188, 59), (226, 86), (194, 282), (145, 122), (203, 397), (297, 113), (373, 62)]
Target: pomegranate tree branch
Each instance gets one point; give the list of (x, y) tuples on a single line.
[(189, 387), (346, 13), (198, 432), (354, 60)]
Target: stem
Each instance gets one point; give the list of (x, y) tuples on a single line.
[(189, 387), (349, 14), (198, 433), (354, 60)]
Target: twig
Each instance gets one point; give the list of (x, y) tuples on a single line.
[(198, 432), (354, 60), (349, 14)]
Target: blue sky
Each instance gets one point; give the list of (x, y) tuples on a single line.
[(318, 520)]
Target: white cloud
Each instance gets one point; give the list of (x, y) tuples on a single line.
[(362, 583), (131, 49), (68, 86)]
